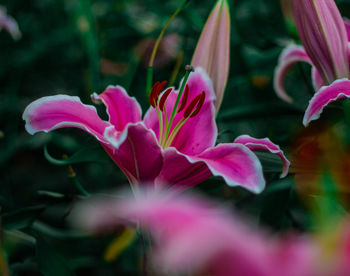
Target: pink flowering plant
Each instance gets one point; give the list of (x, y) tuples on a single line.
[(145, 138), (173, 145)]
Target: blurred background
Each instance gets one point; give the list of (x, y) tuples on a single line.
[(80, 47)]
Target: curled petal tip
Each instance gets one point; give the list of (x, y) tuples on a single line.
[(53, 112), (289, 57), (265, 144), (339, 89), (213, 49)]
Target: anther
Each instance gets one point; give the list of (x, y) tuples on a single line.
[(197, 101), (163, 98), (199, 105), (151, 94), (159, 90), (184, 99)]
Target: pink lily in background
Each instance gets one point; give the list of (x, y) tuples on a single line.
[(324, 35), (213, 49), (9, 24), (173, 145), (192, 236)]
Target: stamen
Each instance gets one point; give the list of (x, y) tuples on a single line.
[(199, 106), (197, 101), (159, 89), (184, 99), (163, 98), (151, 95)]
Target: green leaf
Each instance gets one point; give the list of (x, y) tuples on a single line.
[(276, 202), (21, 218), (270, 162), (50, 261), (258, 111), (87, 154)]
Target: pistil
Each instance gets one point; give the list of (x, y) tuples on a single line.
[(188, 69)]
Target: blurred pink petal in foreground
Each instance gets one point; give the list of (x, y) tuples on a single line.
[(9, 24), (213, 49), (179, 152), (192, 236), (325, 37)]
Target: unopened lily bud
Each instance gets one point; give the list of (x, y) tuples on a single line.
[(323, 34), (213, 49)]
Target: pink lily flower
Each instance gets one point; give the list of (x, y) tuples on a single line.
[(213, 49), (9, 24), (173, 144), (325, 36), (192, 236)]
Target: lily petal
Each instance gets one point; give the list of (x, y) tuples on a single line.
[(347, 27), (317, 81), (136, 151), (193, 237), (213, 49), (339, 89), (121, 108), (236, 164), (53, 112), (289, 56), (180, 172), (264, 144), (323, 34)]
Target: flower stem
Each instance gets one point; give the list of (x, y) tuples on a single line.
[(155, 48), (73, 178), (176, 68)]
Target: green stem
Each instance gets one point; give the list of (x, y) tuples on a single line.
[(176, 68), (155, 48), (78, 186), (149, 79)]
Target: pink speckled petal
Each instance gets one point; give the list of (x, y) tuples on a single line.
[(264, 144), (339, 89), (289, 56), (121, 108), (53, 112)]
